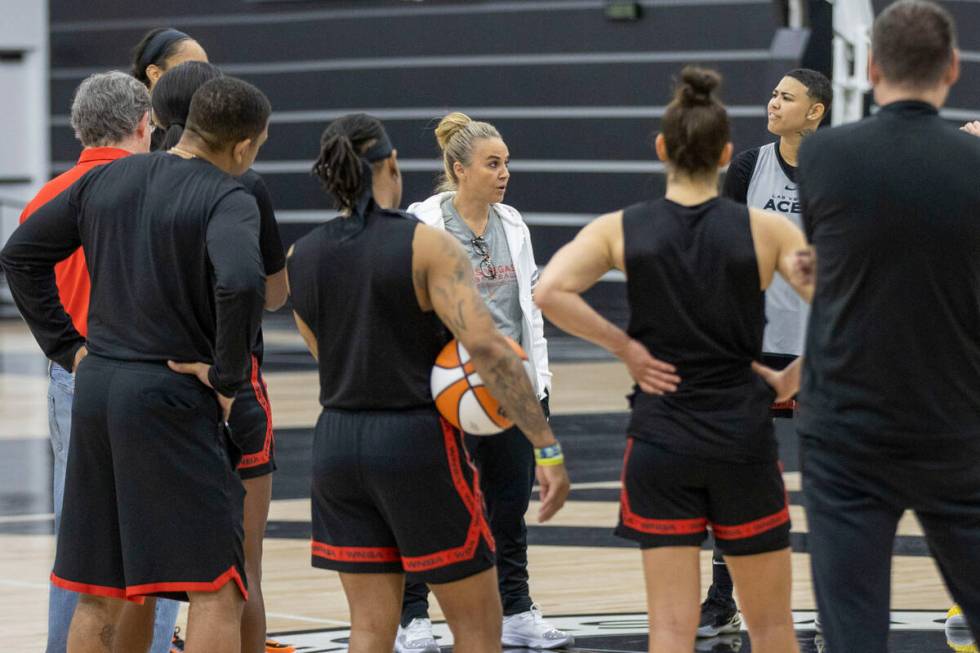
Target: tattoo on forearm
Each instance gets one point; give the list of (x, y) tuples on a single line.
[(508, 382)]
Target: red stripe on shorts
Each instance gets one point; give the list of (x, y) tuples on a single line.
[(367, 554), (95, 590), (182, 586), (752, 528), (262, 395), (757, 526), (472, 499), (653, 526)]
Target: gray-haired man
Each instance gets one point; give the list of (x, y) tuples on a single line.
[(110, 116)]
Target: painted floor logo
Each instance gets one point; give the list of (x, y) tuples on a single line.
[(919, 631)]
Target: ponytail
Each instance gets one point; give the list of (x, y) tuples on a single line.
[(339, 170), (348, 147), (171, 136), (172, 96)]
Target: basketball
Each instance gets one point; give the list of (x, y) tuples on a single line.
[(460, 395)]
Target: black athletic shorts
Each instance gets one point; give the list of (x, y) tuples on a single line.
[(671, 500), (396, 492), (153, 506), (251, 427)]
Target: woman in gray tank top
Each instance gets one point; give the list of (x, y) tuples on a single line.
[(468, 204)]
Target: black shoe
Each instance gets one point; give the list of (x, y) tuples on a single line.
[(721, 644), (718, 617)]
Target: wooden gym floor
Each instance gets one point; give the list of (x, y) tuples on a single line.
[(579, 570)]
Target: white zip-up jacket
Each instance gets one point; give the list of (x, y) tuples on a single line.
[(519, 244)]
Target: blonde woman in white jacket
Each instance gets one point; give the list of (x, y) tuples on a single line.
[(468, 205)]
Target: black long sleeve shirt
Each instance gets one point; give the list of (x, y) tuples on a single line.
[(172, 247), (270, 242), (892, 206)]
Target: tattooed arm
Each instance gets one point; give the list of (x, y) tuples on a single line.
[(443, 278), (444, 283)]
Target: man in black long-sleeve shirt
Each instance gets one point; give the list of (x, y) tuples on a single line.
[(153, 504), (890, 401)]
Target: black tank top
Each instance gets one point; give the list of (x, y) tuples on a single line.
[(351, 282), (693, 287)]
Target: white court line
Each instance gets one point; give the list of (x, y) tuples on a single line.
[(312, 620), (14, 519), (23, 584)]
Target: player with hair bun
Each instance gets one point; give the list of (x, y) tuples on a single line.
[(469, 206), (701, 450)]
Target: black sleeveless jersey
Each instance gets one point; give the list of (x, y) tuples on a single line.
[(695, 302), (351, 281)]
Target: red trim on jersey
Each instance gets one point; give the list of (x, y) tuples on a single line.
[(653, 526), (262, 395), (198, 586), (472, 499), (368, 554), (95, 590)]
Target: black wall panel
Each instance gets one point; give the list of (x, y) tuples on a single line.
[(529, 191), (324, 56), (665, 29), (630, 84), (601, 139)]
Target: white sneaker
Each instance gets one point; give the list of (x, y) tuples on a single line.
[(416, 637), (530, 630)]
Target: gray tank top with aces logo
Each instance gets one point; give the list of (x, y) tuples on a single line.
[(786, 314)]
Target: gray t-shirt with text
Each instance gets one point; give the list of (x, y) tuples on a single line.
[(493, 268)]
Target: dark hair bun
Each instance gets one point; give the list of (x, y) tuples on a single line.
[(697, 86)]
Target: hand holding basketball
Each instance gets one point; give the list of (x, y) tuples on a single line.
[(460, 395)]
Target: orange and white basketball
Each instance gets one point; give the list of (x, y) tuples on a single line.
[(461, 396)]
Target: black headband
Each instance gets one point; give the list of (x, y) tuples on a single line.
[(381, 149), (158, 44)]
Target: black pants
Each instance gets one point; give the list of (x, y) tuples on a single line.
[(853, 507), (506, 466)]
